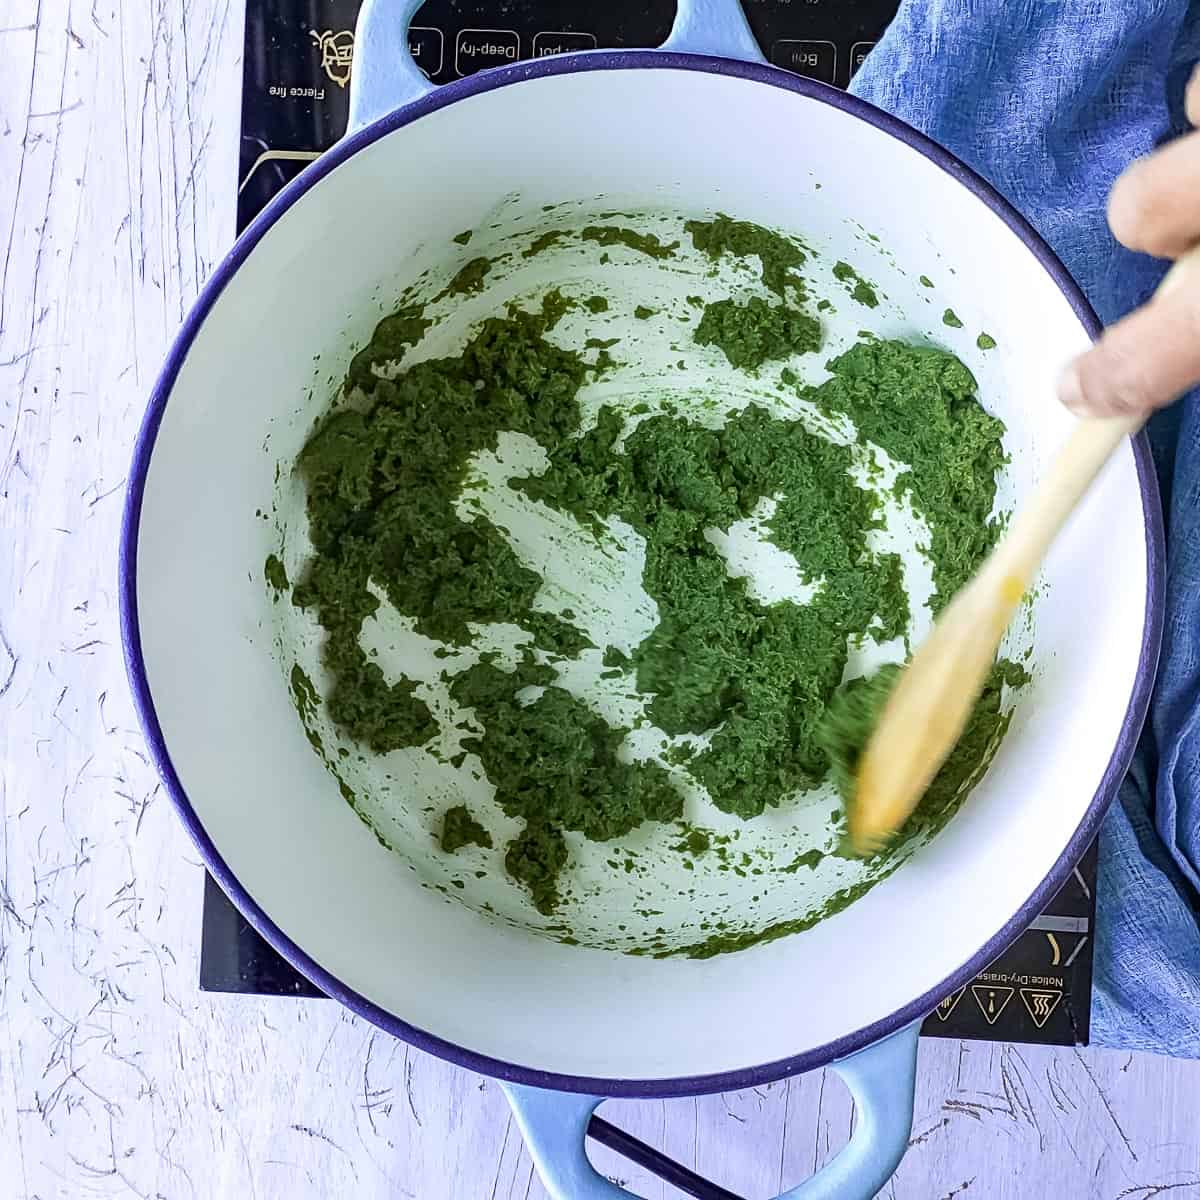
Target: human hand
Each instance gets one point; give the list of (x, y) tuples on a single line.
[(1149, 358)]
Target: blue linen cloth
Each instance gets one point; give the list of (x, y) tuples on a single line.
[(1049, 100)]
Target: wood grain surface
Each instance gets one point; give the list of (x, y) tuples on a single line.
[(118, 137)]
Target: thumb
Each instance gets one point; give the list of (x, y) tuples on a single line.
[(1143, 362)]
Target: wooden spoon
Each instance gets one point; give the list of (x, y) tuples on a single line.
[(929, 707)]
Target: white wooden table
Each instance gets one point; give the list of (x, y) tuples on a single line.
[(118, 137)]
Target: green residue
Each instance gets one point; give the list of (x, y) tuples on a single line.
[(381, 486), (809, 860), (405, 327), (643, 243), (554, 762), (779, 255), (858, 287), (918, 404), (749, 334), (596, 304), (463, 238), (469, 278), (543, 242), (950, 317), (460, 829), (642, 313), (893, 610), (985, 341), (695, 842), (926, 281), (304, 694), (536, 858), (385, 475), (276, 573), (757, 675), (727, 941)]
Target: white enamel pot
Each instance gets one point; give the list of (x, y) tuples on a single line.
[(701, 123)]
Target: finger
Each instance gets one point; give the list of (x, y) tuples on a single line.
[(1192, 98), (1141, 363), (1155, 204)]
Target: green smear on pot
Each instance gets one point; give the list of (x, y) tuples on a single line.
[(749, 334), (918, 404), (858, 287), (696, 842), (275, 573), (810, 860), (460, 829), (384, 474), (728, 941), (757, 674), (536, 858), (393, 335), (469, 279), (779, 255), (543, 242), (553, 761), (643, 243)]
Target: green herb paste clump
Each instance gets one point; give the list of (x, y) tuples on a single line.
[(757, 674), (381, 487), (384, 473), (469, 279), (643, 243), (555, 762), (779, 255), (918, 404), (460, 829), (858, 287), (752, 333), (275, 573)]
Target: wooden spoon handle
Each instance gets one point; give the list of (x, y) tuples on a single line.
[(1090, 445), (1082, 457)]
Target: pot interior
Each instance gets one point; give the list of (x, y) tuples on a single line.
[(663, 144)]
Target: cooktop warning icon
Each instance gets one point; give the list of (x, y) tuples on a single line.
[(1041, 1003), (992, 1001), (949, 1004), (337, 53)]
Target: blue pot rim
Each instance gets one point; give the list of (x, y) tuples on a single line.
[(692, 1085)]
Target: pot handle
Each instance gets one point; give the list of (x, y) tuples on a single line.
[(881, 1079), (716, 27), (385, 77)]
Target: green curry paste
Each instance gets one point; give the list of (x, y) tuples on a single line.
[(749, 334), (460, 829), (761, 680)]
